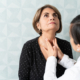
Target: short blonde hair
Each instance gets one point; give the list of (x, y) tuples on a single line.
[(38, 15)]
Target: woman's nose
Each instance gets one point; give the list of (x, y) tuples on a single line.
[(51, 18)]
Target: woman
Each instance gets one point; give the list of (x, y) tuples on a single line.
[(46, 22), (73, 67)]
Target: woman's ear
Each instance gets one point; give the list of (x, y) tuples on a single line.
[(38, 25), (78, 47)]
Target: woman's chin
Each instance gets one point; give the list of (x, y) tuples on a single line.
[(52, 27)]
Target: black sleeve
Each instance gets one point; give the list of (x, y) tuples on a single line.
[(67, 49), (24, 64), (70, 51)]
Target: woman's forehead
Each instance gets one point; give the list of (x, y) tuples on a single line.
[(48, 10)]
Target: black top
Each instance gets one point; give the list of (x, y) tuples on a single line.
[(32, 62)]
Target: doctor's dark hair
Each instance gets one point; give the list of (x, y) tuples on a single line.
[(75, 29)]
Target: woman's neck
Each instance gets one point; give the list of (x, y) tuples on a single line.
[(44, 36), (49, 37)]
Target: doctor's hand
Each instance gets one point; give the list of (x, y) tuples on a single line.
[(60, 53), (51, 50)]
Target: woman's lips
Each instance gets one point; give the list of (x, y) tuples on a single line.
[(52, 23)]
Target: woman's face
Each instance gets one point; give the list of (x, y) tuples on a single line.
[(48, 20), (74, 46)]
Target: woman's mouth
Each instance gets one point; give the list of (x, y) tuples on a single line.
[(52, 23)]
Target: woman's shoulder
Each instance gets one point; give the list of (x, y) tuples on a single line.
[(78, 59), (73, 73), (78, 62), (75, 68), (62, 41), (31, 42)]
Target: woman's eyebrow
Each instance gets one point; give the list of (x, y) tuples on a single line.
[(48, 13)]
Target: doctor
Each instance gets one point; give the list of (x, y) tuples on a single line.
[(73, 67)]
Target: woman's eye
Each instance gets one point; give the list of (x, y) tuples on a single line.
[(55, 15), (45, 15)]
